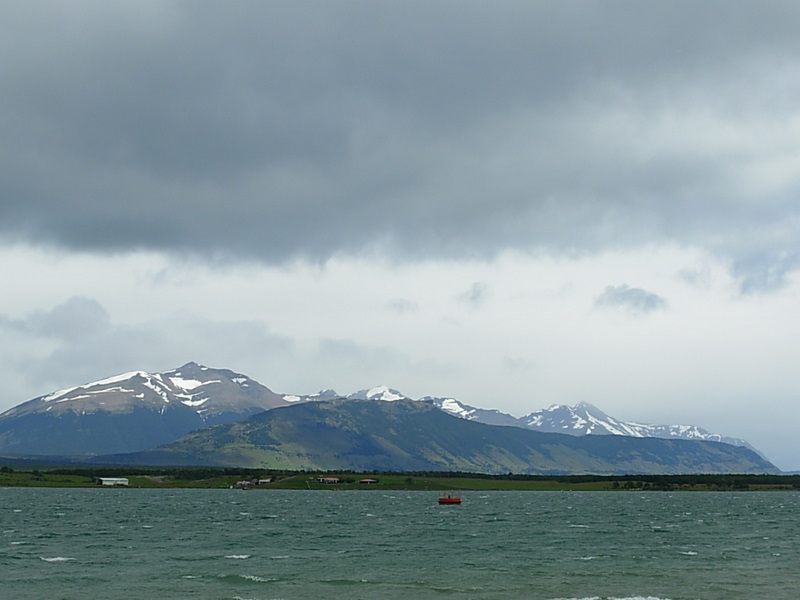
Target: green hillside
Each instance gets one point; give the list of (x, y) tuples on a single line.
[(409, 436)]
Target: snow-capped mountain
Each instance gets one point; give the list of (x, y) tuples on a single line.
[(320, 396), (209, 393), (380, 392), (139, 410), (384, 393), (481, 415), (585, 419), (581, 419), (132, 411)]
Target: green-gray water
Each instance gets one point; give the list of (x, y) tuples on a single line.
[(226, 544)]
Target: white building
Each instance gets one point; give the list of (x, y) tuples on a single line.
[(112, 481)]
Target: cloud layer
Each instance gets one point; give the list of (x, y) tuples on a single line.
[(275, 131)]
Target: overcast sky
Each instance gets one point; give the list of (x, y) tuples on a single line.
[(515, 204)]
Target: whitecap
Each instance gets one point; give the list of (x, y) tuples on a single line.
[(637, 598), (238, 556), (56, 558), (689, 553), (258, 579)]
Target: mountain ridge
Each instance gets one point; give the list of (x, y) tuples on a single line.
[(135, 411), (405, 435)]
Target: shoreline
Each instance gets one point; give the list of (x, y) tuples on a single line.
[(247, 479)]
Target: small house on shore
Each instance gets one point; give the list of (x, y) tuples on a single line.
[(112, 481), (327, 480)]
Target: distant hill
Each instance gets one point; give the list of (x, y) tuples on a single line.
[(131, 412), (404, 435)]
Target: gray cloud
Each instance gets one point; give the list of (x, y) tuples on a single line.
[(77, 341), (765, 272), (403, 306), (634, 300), (282, 130), (475, 295), (76, 319), (518, 363)]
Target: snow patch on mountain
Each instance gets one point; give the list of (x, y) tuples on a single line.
[(380, 392), (319, 396), (186, 384), (194, 403), (102, 382), (585, 419)]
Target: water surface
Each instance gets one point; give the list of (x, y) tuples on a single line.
[(297, 545)]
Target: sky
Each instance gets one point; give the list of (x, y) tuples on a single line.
[(515, 204)]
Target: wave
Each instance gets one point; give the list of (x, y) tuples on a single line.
[(614, 598), (258, 579), (56, 558)]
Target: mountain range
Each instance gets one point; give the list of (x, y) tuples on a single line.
[(404, 435), (585, 419), (138, 411)]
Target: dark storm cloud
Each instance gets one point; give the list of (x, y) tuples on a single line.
[(634, 300), (276, 130)]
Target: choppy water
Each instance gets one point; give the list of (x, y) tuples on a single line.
[(297, 545)]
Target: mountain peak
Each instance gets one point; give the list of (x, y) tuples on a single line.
[(591, 408), (586, 419), (380, 392), (120, 413)]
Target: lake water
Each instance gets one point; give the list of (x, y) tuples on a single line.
[(297, 545)]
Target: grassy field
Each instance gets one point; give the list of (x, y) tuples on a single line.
[(227, 478)]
